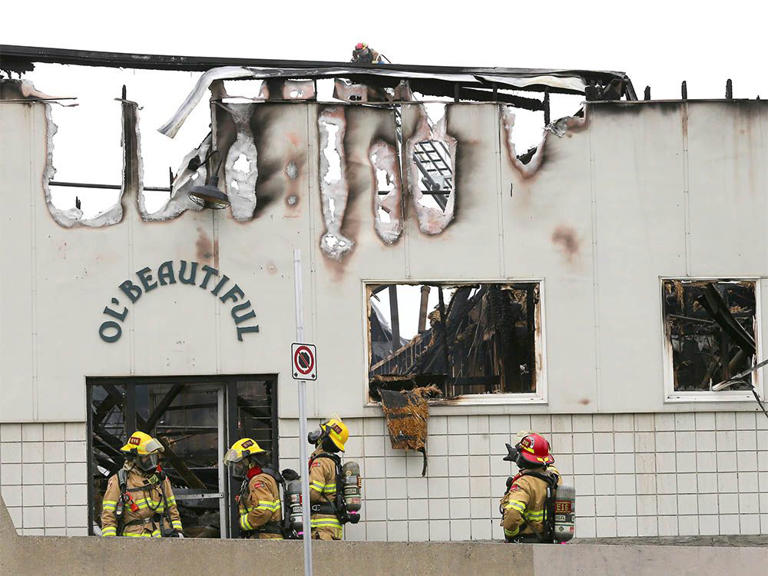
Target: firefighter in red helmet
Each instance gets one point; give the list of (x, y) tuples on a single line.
[(527, 506), (364, 54)]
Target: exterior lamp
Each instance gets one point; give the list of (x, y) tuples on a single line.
[(209, 195)]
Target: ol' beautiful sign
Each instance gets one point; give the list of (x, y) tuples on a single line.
[(206, 278)]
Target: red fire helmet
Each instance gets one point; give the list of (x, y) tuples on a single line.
[(535, 449)]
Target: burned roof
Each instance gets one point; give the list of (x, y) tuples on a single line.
[(434, 80)]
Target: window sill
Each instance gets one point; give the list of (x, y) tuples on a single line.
[(678, 397), (482, 400)]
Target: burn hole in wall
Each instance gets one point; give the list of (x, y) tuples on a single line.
[(710, 329), (481, 338), (196, 419), (433, 159)]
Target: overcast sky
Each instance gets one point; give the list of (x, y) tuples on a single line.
[(657, 43)]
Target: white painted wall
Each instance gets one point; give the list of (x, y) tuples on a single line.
[(649, 189)]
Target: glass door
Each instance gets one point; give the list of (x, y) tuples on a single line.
[(196, 418)]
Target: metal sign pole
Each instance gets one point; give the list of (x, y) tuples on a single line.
[(303, 461)]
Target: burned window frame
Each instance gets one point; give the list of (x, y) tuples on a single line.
[(539, 396), (670, 394)]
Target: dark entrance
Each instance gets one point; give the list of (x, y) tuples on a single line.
[(196, 418)]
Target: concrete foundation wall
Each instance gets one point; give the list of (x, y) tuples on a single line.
[(72, 556)]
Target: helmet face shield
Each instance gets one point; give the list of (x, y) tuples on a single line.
[(153, 446), (232, 457), (149, 462), (239, 469), (143, 450), (241, 454)]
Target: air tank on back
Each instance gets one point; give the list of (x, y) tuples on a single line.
[(565, 513), (352, 488)]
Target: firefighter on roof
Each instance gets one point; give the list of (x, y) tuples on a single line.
[(364, 54), (139, 500), (259, 502), (528, 506), (324, 477)]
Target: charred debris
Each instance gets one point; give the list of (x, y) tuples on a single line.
[(481, 339), (710, 331)]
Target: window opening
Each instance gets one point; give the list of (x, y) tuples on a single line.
[(465, 339), (710, 329)]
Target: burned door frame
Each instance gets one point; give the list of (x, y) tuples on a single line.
[(227, 417), (540, 396), (671, 395)]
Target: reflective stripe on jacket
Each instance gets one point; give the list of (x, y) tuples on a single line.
[(263, 505), (322, 488), (523, 506), (148, 498)]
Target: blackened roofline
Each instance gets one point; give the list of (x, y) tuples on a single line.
[(19, 58)]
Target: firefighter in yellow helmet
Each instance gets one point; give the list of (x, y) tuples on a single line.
[(139, 500), (259, 499), (324, 476)]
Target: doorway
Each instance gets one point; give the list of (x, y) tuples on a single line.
[(196, 418)]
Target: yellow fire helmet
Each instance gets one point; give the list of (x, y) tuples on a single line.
[(142, 444), (337, 431), (241, 449)]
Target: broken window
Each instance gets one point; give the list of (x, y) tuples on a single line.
[(196, 419), (482, 338), (710, 328)]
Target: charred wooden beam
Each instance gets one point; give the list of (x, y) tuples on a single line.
[(394, 315), (161, 407), (423, 305), (181, 468), (714, 304)]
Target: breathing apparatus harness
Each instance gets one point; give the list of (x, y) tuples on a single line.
[(282, 528), (338, 507), (552, 479), (157, 479)]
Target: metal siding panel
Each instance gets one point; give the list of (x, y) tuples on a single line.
[(638, 179), (472, 237), (338, 306), (18, 172), (728, 180), (537, 210)]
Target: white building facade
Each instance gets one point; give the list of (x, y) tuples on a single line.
[(631, 196)]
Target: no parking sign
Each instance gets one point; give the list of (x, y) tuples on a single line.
[(303, 361)]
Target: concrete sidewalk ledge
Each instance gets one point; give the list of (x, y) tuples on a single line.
[(89, 556)]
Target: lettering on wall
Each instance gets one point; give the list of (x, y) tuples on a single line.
[(169, 272)]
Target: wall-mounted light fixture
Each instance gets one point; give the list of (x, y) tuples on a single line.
[(208, 195)]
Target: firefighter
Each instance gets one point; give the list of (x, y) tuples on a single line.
[(259, 499), (139, 500), (324, 469), (527, 513), (364, 54)]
